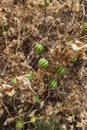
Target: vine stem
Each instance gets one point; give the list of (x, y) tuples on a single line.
[(45, 13)]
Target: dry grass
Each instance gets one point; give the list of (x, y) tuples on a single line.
[(58, 27)]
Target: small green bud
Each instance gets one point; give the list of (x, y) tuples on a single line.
[(19, 125), (55, 12), (43, 63), (60, 70), (53, 83), (38, 48)]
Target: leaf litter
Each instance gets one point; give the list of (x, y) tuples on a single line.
[(58, 27)]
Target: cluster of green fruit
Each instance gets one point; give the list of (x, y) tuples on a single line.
[(44, 63)]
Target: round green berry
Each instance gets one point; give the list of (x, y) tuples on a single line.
[(19, 125), (84, 27), (38, 48), (53, 83), (43, 63), (60, 70), (4, 33)]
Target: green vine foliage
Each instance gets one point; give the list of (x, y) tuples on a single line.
[(43, 125)]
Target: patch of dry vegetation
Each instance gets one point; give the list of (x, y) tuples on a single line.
[(25, 93)]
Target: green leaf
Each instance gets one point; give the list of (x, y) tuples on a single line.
[(14, 81), (19, 125), (29, 76), (74, 60), (36, 98)]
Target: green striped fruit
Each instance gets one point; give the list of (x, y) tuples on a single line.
[(43, 63), (60, 70), (84, 27), (19, 125), (38, 48), (53, 83)]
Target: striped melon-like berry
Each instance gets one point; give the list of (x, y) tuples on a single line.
[(19, 125), (84, 27), (43, 63), (38, 48), (60, 70), (53, 83)]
